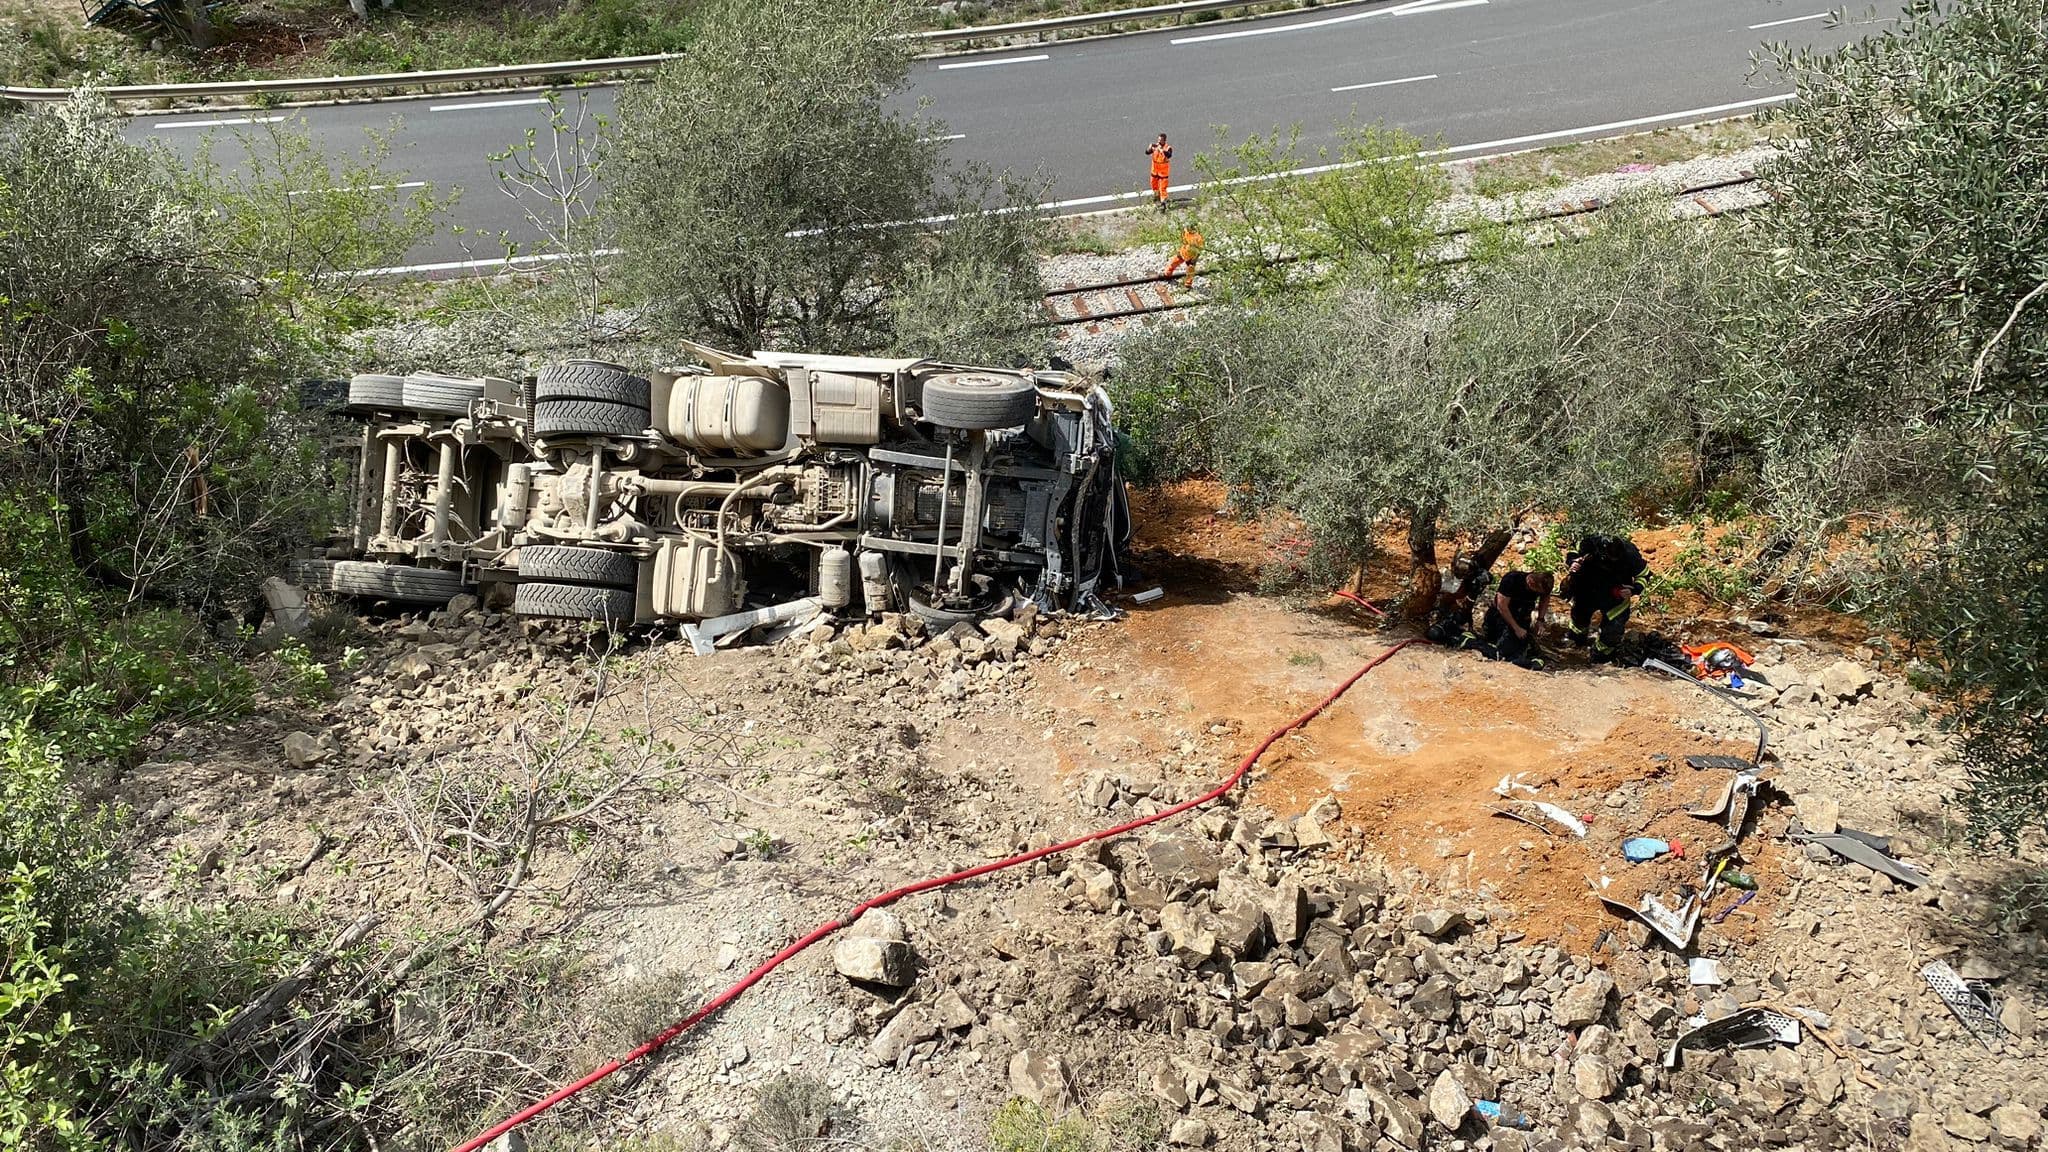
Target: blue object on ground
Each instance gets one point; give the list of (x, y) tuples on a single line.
[(1644, 848), (1492, 1111)]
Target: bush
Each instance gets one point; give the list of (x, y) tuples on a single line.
[(1370, 215), (1899, 355)]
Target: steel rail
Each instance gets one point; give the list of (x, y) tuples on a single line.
[(1585, 208)]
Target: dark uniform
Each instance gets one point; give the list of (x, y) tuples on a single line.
[(1451, 624), (1522, 598), (1604, 575)]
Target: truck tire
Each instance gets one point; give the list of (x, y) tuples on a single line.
[(979, 400), (614, 606), (947, 617), (588, 418), (558, 564), (396, 582), (443, 395), (372, 392), (316, 575), (591, 380)]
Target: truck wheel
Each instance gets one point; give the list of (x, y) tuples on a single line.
[(979, 400), (316, 575), (557, 564), (375, 393), (591, 380), (588, 418), (443, 395), (614, 606), (396, 582)]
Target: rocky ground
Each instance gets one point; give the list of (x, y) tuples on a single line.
[(1352, 951)]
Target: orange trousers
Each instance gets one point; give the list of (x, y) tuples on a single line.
[(1179, 262), (1159, 188)]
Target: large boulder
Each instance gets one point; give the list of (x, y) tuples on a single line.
[(1041, 1077), (876, 950)]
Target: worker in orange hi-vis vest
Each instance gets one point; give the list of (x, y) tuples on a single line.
[(1162, 167), (1190, 251)]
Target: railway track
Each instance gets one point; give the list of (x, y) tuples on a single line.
[(1110, 303)]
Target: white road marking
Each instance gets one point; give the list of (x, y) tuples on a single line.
[(364, 188), (217, 123), (941, 139), (1111, 198), (1412, 7), (486, 104), (1384, 83), (993, 63), (1791, 20), (478, 265), (1501, 145)]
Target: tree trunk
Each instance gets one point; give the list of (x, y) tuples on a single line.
[(1490, 547), (193, 24), (1424, 580)]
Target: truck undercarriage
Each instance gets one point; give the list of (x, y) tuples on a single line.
[(735, 492)]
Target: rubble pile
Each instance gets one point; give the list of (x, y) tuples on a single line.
[(1246, 976)]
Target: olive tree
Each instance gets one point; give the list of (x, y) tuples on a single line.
[(765, 192), (1903, 365), (158, 324), (970, 289), (1565, 378), (1367, 211)]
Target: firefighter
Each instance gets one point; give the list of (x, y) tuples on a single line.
[(1515, 618), (1604, 576), (1162, 168), (1451, 624), (1190, 251)]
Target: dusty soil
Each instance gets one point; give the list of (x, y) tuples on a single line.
[(814, 774)]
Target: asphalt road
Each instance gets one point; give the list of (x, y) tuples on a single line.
[(1475, 77)]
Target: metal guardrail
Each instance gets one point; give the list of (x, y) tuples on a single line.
[(615, 64), (337, 83), (1093, 19)]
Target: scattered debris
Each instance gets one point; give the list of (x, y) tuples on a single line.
[(1513, 783), (1704, 970), (1973, 1009), (1495, 1114), (1675, 927), (1540, 814), (1148, 595), (1643, 849), (1857, 847), (1725, 913), (1752, 1027), (707, 636)]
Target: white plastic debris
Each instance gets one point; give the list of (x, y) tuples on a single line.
[(1148, 595), (1514, 783), (1704, 970)]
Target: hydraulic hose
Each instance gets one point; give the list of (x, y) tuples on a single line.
[(662, 1038)]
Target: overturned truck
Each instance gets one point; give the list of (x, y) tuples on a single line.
[(735, 492)]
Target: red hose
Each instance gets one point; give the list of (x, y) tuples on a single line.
[(1362, 602), (676, 1029)]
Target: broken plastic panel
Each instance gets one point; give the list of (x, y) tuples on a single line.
[(1675, 927), (1749, 1028), (1859, 850), (1541, 814)]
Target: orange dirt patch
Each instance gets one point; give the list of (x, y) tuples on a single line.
[(1414, 752)]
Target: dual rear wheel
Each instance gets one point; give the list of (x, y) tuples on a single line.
[(576, 583)]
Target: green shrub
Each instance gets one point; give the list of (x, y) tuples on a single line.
[(1021, 1126)]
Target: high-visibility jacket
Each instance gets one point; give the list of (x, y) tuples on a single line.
[(1190, 246), (1162, 160)]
